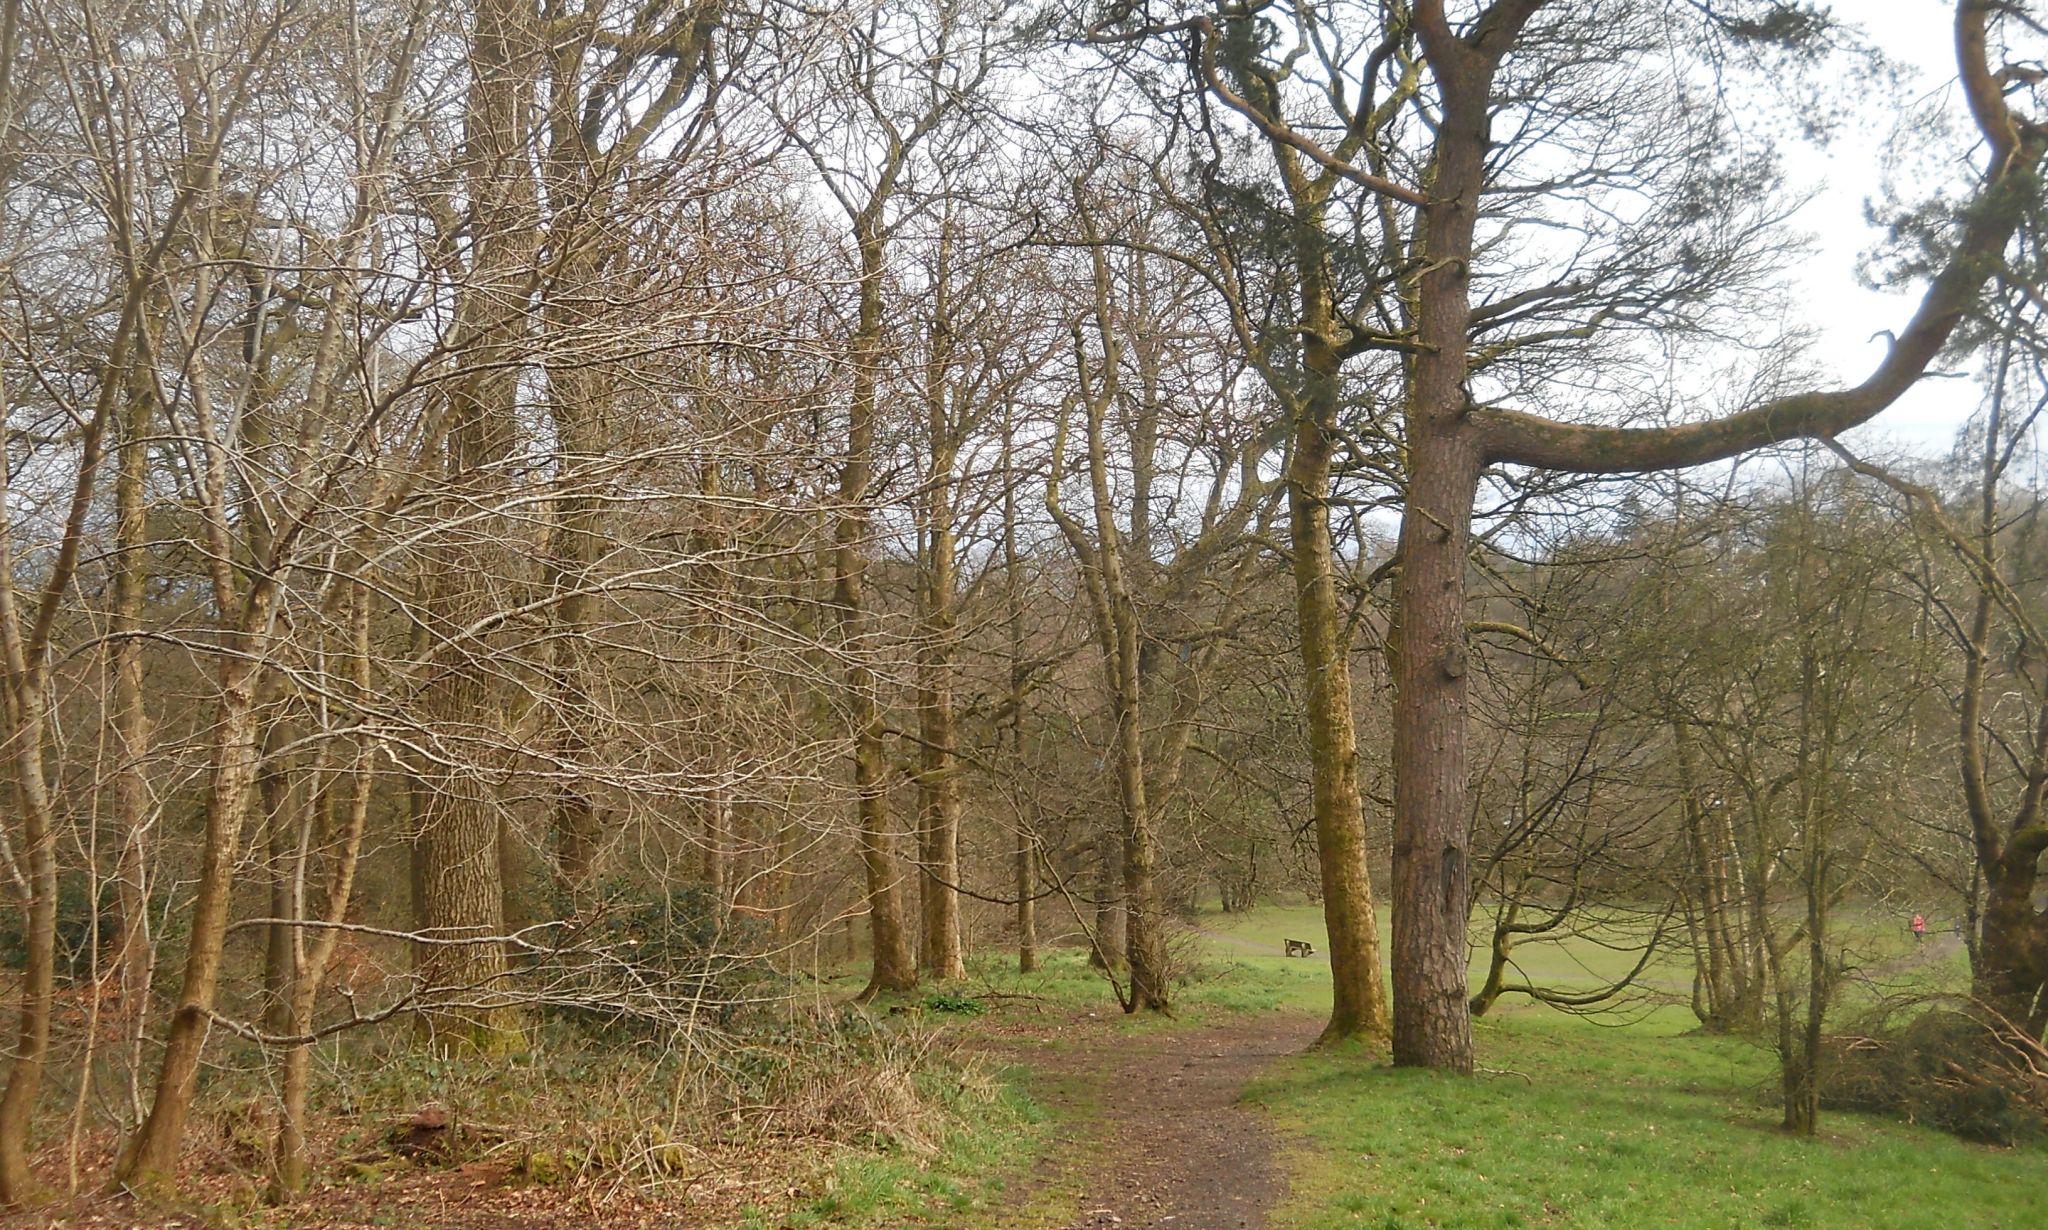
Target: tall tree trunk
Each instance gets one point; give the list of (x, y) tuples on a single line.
[(1358, 1006), (894, 964), (22, 702), (938, 784), (461, 874), (1432, 1027), (1813, 767), (714, 837), (1432, 867), (1013, 599), (578, 400), (38, 974), (315, 957), (151, 1155), (130, 730), (1145, 942), (939, 804), (1114, 612)]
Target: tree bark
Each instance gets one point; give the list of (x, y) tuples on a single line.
[(1013, 599), (151, 1155), (938, 785), (939, 807), (893, 963), (313, 960), (1358, 1006), (1116, 620), (38, 975), (578, 399), (1145, 946), (1432, 1027), (1432, 872), (460, 866), (130, 731)]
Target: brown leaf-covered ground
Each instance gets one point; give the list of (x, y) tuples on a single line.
[(1148, 1134)]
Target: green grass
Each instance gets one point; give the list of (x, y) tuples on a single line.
[(1630, 1121), (1880, 955), (977, 1164), (1209, 980), (1573, 964), (1237, 963), (1633, 1120), (1587, 1126)]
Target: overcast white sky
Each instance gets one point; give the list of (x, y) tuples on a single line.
[(1916, 34)]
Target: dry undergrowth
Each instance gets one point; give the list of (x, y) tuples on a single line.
[(684, 1129)]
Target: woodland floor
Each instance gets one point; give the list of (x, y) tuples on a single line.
[(1217, 1120), (1144, 1131)]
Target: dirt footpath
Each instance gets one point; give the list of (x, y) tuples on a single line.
[(1156, 1139)]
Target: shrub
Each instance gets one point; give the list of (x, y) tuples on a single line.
[(1946, 1068)]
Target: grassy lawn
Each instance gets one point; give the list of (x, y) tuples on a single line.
[(1628, 1121), (1211, 979), (1585, 1126), (1593, 1123), (1881, 955)]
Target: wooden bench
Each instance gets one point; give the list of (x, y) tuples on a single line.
[(1300, 948)]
